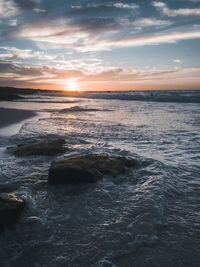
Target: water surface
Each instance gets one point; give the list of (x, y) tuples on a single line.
[(149, 216)]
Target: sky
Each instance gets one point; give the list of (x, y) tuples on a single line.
[(100, 44)]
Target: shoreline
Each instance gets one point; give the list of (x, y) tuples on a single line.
[(10, 116)]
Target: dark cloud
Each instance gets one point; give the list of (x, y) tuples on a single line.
[(115, 74), (7, 67), (25, 4), (49, 29), (33, 71), (98, 24), (94, 17)]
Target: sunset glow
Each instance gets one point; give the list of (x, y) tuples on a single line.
[(104, 45), (71, 85), (100, 133)]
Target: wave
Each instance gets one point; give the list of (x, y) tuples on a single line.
[(48, 101), (79, 109), (192, 96)]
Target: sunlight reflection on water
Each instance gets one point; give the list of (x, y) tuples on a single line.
[(116, 219)]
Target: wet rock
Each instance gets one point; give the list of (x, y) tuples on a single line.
[(87, 168), (10, 209), (47, 147)]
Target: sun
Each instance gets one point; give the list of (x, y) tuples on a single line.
[(71, 85)]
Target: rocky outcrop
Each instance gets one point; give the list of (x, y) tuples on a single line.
[(48, 147), (10, 209), (87, 168)]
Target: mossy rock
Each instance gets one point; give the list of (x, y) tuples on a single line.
[(87, 168), (10, 209), (48, 147)]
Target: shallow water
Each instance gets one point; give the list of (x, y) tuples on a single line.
[(150, 216)]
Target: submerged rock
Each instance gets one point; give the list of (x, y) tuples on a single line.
[(87, 168), (10, 209), (47, 147)]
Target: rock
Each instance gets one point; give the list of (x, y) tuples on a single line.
[(87, 168), (47, 147), (10, 209)]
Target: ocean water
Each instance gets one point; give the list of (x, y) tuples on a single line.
[(149, 216)]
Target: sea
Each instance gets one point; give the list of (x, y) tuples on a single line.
[(146, 217)]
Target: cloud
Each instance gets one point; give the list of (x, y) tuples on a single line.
[(127, 6), (83, 26), (148, 22), (131, 75), (181, 12), (159, 4), (177, 61), (122, 78), (10, 68), (99, 34), (106, 6), (130, 41), (7, 8), (93, 33), (106, 74), (155, 39), (176, 12), (37, 71), (15, 52), (10, 53), (25, 4), (13, 22)]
